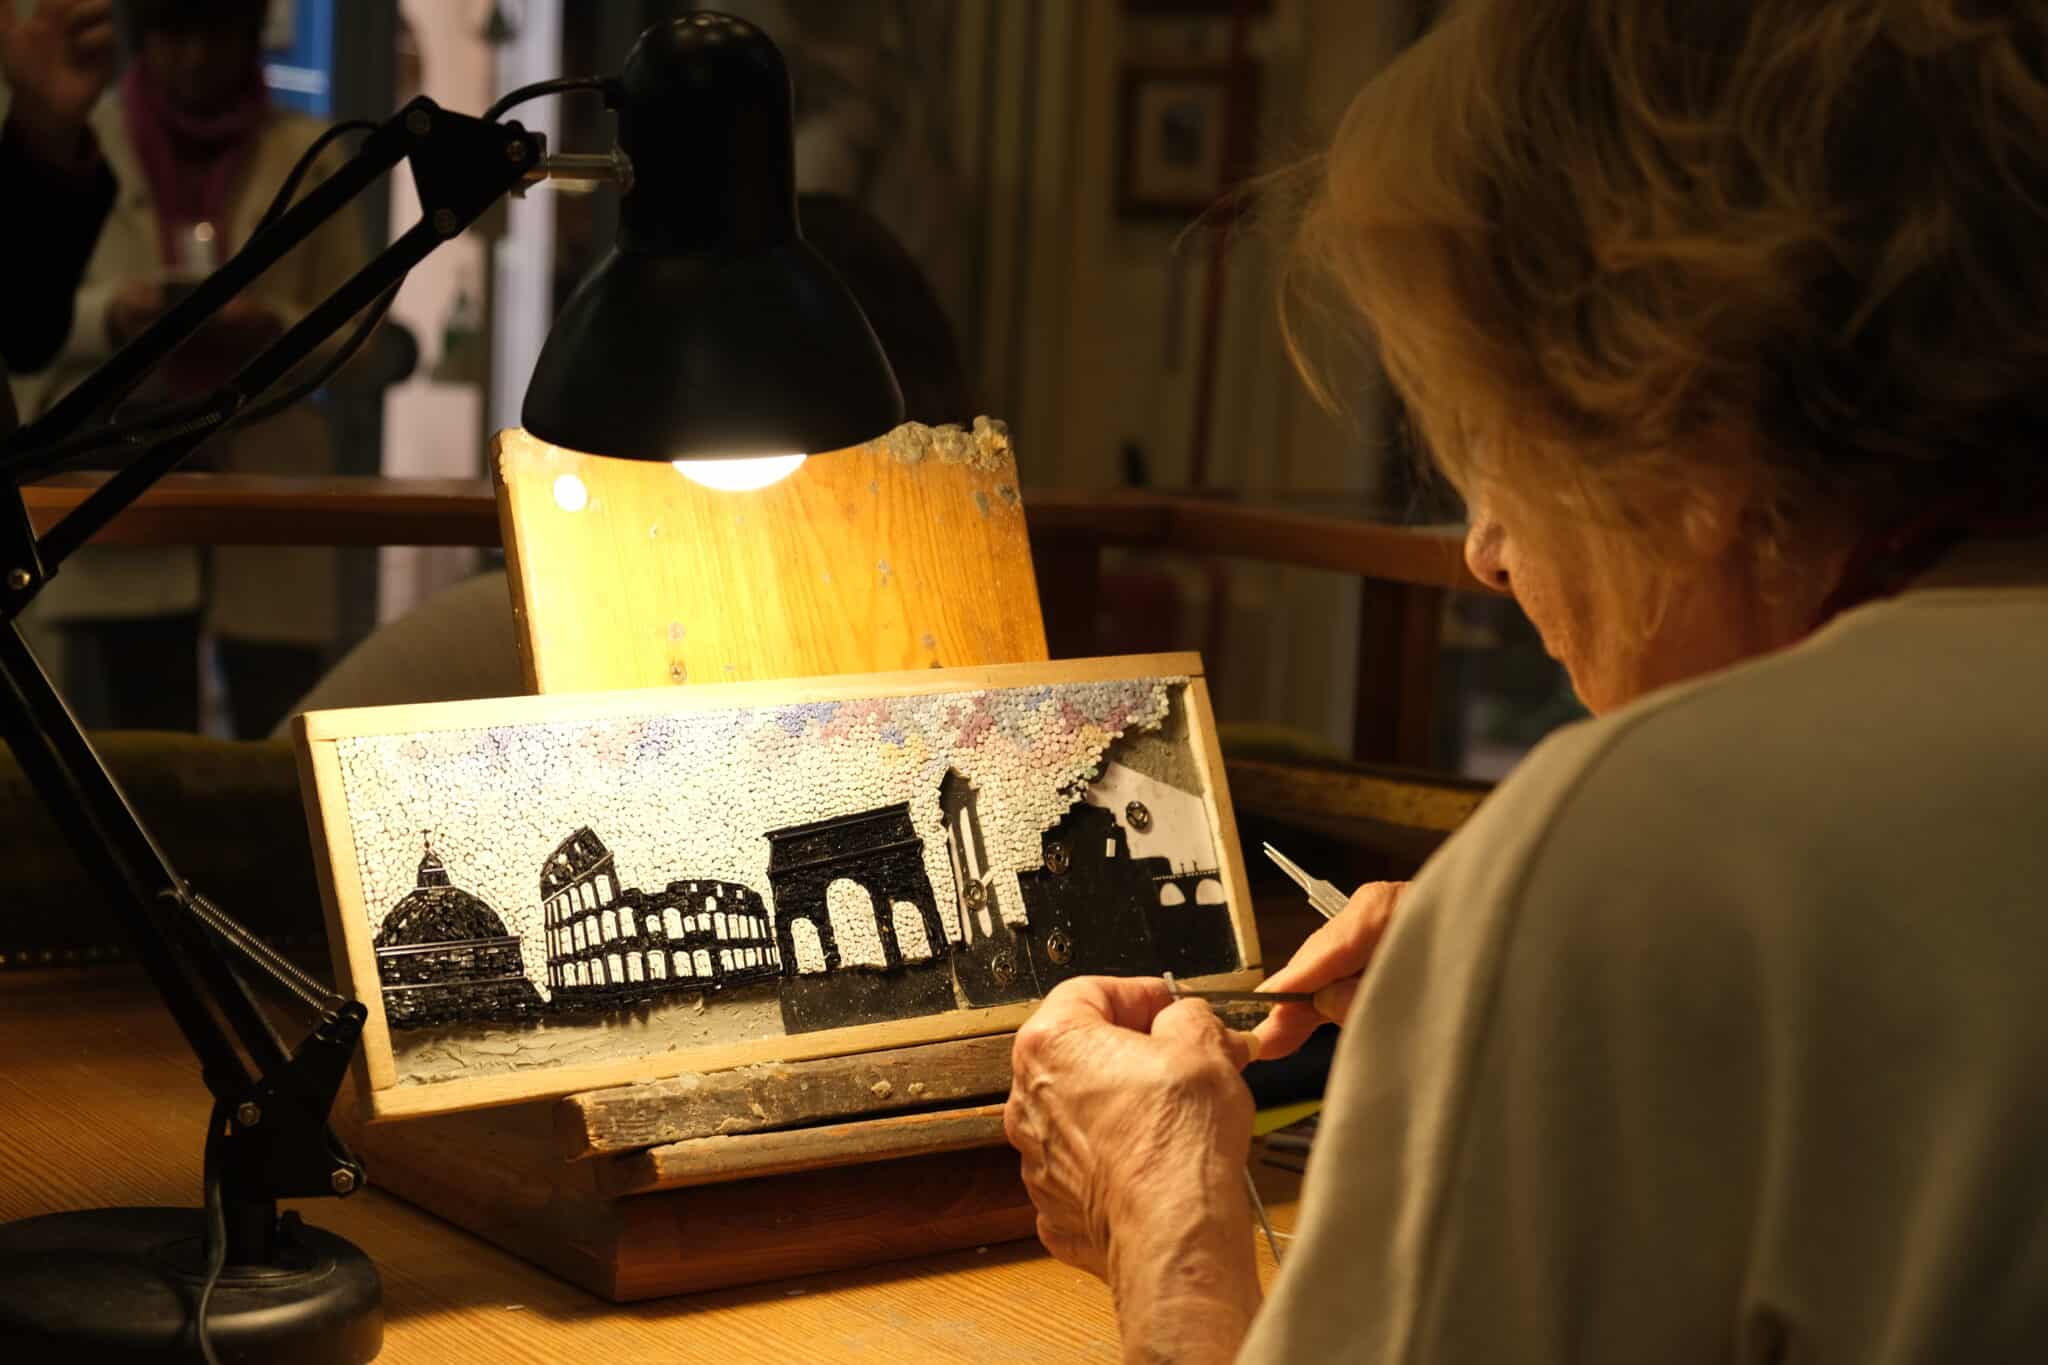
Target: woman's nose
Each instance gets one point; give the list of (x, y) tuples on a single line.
[(1486, 552)]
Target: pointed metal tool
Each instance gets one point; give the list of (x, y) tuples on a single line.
[(1327, 899)]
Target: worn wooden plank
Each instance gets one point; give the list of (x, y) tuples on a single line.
[(753, 1099), (715, 1160)]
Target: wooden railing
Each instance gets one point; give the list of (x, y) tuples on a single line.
[(1405, 570)]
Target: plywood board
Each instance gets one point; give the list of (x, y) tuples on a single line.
[(541, 895), (715, 1160), (907, 552)]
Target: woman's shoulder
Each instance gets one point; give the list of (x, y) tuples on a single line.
[(1888, 756)]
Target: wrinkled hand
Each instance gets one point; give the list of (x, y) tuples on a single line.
[(57, 60), (1329, 963), (1132, 1119)]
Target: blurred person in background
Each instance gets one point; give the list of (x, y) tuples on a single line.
[(198, 151), (55, 59)]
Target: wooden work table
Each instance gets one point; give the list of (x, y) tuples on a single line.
[(102, 1105)]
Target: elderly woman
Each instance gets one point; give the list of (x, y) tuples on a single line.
[(1719, 1033)]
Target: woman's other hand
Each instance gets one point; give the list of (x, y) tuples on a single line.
[(1329, 963)]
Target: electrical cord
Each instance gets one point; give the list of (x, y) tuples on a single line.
[(216, 1231), (289, 189), (559, 85)]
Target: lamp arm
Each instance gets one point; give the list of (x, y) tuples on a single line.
[(280, 1144)]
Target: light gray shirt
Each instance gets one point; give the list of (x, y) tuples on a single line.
[(1721, 1032)]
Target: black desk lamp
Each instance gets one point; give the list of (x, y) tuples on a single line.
[(712, 330)]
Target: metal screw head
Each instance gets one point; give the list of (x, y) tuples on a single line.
[(975, 894), (1059, 946), (418, 123), (343, 1180), (19, 579), (444, 222), (247, 1115), (1138, 816), (1057, 859), (1002, 968), (515, 151)]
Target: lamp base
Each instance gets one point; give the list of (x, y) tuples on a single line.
[(121, 1285)]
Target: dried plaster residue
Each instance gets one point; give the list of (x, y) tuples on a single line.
[(986, 447)]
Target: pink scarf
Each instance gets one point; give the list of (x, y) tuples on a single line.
[(192, 161)]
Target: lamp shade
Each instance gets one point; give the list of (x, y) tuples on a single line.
[(712, 328)]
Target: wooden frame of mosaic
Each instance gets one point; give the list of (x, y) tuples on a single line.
[(718, 940)]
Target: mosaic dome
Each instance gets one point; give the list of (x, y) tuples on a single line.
[(437, 912)]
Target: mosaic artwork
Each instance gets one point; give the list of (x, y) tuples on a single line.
[(542, 893)]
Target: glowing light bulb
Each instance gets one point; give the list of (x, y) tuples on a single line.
[(740, 476), (570, 494)]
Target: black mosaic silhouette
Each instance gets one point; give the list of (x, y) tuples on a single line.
[(880, 852), (611, 947), (443, 956), (1094, 910)]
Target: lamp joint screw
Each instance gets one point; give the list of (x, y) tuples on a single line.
[(343, 1180), (417, 123), (247, 1115), (515, 151), (444, 222), (19, 579)]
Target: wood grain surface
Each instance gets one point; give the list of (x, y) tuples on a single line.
[(626, 574), (104, 1106)]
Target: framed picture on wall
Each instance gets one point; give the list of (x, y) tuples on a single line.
[(1177, 148)]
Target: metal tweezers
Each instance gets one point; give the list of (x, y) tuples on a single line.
[(1327, 899)]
